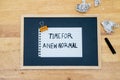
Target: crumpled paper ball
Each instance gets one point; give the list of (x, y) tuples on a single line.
[(83, 7), (108, 26)]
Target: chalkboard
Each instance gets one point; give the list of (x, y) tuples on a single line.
[(69, 42)]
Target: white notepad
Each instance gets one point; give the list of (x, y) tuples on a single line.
[(60, 42)]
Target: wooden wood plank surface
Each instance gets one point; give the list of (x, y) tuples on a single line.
[(10, 20)]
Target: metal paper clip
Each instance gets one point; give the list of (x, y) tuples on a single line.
[(42, 26), (41, 23)]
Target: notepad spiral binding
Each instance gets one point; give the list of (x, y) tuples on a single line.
[(39, 43)]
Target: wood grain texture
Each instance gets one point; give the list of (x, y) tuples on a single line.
[(10, 20)]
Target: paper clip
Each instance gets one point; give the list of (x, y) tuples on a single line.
[(42, 26)]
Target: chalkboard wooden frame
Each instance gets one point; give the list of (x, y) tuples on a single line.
[(59, 67)]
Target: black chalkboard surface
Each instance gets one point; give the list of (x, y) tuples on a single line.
[(70, 42)]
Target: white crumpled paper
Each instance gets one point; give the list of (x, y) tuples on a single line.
[(83, 7), (108, 26)]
